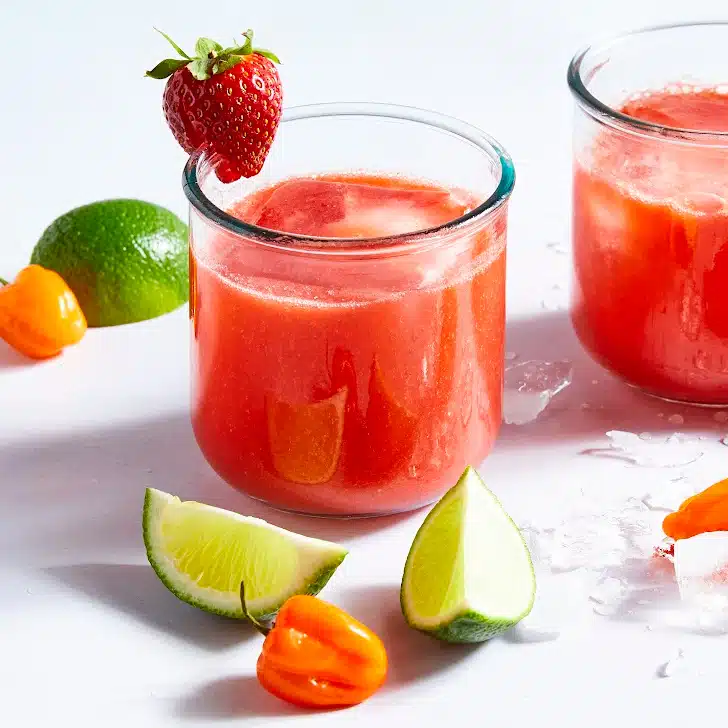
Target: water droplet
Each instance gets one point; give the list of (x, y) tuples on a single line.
[(556, 247), (676, 419), (551, 304), (511, 356), (673, 665), (555, 300), (721, 416)]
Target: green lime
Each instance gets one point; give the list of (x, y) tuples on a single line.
[(202, 555), (468, 575), (126, 260)]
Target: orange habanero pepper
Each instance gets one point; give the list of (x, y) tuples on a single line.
[(317, 656), (701, 513), (39, 315)]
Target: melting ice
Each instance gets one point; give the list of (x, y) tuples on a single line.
[(671, 452), (530, 386)]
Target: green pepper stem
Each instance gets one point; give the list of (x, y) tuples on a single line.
[(262, 628)]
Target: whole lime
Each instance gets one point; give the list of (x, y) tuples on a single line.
[(125, 260)]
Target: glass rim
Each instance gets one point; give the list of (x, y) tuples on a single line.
[(373, 246), (607, 114)]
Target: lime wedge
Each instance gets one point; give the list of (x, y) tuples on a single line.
[(202, 554), (469, 575)]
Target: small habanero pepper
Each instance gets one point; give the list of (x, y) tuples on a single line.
[(318, 656), (701, 513), (39, 314)]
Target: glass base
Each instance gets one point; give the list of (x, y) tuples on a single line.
[(674, 400), (339, 516), (605, 364)]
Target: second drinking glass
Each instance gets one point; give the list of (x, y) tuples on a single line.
[(650, 224)]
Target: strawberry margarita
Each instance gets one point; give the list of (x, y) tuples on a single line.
[(650, 238), (341, 365)]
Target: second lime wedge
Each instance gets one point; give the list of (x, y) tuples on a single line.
[(469, 575), (202, 554)]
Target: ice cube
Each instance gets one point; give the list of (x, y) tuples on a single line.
[(530, 386), (347, 209), (701, 569), (701, 572), (602, 537), (667, 496), (672, 452), (707, 203), (608, 595), (607, 208), (540, 543), (303, 207), (586, 541)]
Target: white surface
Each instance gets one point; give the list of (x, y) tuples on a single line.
[(88, 637)]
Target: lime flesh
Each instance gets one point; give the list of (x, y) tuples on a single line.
[(469, 575), (202, 555)]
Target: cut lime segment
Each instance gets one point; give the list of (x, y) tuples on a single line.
[(202, 554), (468, 575)]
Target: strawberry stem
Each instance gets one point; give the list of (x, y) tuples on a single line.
[(210, 57)]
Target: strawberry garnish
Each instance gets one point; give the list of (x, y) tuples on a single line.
[(228, 100)]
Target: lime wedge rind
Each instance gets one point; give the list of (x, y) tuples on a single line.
[(497, 587), (317, 561)]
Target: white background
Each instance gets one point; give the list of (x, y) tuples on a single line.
[(88, 636)]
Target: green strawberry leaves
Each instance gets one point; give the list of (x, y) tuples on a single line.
[(210, 57), (173, 44), (166, 68), (269, 55), (200, 69), (226, 64), (206, 48)]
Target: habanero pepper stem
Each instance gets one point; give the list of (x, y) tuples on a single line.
[(318, 656), (259, 626)]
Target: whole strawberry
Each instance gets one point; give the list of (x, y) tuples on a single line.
[(228, 100)]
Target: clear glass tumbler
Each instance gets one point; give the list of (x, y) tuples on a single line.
[(650, 209), (351, 376)]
